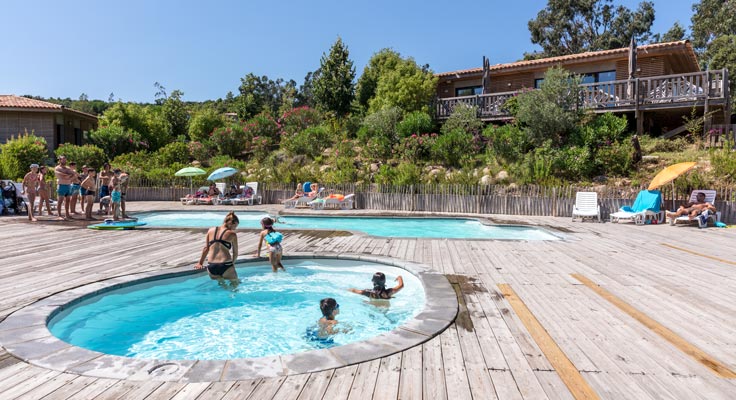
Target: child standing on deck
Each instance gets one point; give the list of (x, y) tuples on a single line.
[(273, 239), (115, 194)]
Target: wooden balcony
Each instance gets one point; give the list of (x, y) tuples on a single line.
[(657, 92)]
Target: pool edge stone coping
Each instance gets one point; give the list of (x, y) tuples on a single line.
[(25, 334)]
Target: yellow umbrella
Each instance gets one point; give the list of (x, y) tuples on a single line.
[(669, 174)]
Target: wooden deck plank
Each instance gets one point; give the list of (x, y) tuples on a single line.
[(410, 378), (241, 389), (341, 382), (292, 387), (364, 382), (433, 380), (389, 374), (316, 386)]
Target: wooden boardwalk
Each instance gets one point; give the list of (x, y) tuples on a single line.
[(490, 352)]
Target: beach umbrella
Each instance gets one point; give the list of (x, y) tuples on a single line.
[(668, 175), (190, 172), (221, 173)]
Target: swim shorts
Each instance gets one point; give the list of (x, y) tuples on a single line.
[(64, 190)]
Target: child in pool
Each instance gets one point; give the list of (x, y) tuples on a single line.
[(379, 290), (273, 240), (330, 309)]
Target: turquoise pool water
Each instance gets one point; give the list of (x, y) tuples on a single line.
[(193, 318), (450, 228)]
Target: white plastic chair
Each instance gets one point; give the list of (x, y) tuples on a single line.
[(710, 197), (586, 206)]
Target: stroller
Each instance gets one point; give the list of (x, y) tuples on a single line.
[(12, 202)]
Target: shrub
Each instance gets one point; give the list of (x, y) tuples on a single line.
[(452, 147), (176, 152), (18, 153), (724, 165), (230, 140), (377, 148), (342, 171), (572, 163), (263, 125), (346, 148), (658, 145), (226, 161), (407, 174), (115, 140), (299, 119), (416, 122), (202, 151), (309, 142), (506, 142), (385, 175), (415, 147), (204, 123), (87, 154), (604, 129), (260, 147), (381, 124), (615, 159), (465, 118)]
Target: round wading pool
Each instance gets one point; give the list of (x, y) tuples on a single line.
[(167, 325)]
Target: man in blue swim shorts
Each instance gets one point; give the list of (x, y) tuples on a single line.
[(64, 177)]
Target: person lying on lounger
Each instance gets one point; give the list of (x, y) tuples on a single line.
[(693, 209)]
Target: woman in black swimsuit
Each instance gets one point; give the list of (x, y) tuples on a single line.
[(219, 241)]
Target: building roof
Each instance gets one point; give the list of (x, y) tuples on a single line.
[(15, 103), (682, 46)]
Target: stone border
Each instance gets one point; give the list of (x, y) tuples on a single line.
[(25, 335)]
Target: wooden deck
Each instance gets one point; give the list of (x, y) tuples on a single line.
[(490, 352)]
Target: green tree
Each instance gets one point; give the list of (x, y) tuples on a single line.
[(407, 86), (203, 123), (712, 19), (721, 53), (259, 94), (334, 89), (576, 26), (551, 113), (176, 114), (674, 34), (380, 63)]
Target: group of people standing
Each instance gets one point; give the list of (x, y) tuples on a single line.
[(73, 187)]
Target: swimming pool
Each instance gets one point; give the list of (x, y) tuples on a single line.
[(193, 318), (450, 228)]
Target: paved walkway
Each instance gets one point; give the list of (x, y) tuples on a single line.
[(616, 311)]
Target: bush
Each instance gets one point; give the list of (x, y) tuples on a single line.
[(225, 161), (651, 145), (17, 154), (377, 148), (506, 142), (309, 142), (381, 124), (415, 147), (572, 163), (342, 171), (615, 159), (299, 119), (87, 154), (115, 140), (202, 151), (602, 131), (403, 174), (263, 125), (204, 123), (260, 147), (416, 122), (724, 165), (452, 147), (176, 152), (231, 140), (464, 118)]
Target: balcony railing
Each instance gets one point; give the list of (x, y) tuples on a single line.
[(667, 91)]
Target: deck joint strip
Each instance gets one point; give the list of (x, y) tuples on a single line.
[(676, 340), (699, 254), (568, 373)]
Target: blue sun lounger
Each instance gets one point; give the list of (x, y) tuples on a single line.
[(646, 207)]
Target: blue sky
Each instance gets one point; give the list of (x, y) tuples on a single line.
[(64, 48)]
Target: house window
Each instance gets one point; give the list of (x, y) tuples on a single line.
[(538, 83), (468, 91), (596, 77)]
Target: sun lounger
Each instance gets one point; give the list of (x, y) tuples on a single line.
[(334, 201), (703, 218), (192, 199), (586, 206), (250, 194), (646, 208)]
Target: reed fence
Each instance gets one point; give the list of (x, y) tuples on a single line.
[(478, 199)]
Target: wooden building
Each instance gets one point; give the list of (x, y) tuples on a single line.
[(656, 84), (55, 123)]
